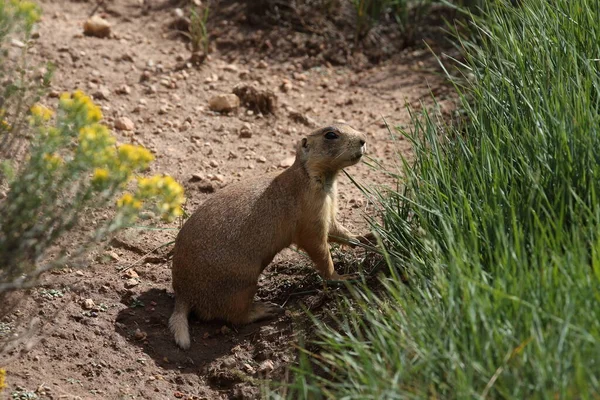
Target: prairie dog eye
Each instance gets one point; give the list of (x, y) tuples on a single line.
[(331, 135)]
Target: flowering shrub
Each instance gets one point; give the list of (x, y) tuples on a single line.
[(74, 165), (60, 167)]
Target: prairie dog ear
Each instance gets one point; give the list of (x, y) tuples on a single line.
[(304, 143)]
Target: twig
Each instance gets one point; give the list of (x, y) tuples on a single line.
[(98, 5), (122, 269)]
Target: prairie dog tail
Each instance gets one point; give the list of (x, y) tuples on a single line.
[(178, 323)]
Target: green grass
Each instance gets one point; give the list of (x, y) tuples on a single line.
[(498, 231)]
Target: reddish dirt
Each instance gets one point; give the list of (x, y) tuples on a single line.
[(121, 348)]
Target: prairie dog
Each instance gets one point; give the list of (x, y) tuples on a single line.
[(232, 237)]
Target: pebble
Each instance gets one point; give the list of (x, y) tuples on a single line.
[(96, 26), (266, 366), (130, 273), (249, 369), (102, 93), (299, 76), (261, 159), (197, 177), (17, 43), (145, 76), (124, 124), (140, 335), (245, 131), (224, 102), (286, 162), (286, 86), (88, 304), (213, 163), (231, 68), (228, 362), (219, 178), (124, 89), (129, 283)]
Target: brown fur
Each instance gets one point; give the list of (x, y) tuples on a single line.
[(232, 237)]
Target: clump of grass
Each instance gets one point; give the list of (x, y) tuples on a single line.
[(498, 231), (199, 37)]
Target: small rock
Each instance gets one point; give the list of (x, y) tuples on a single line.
[(102, 93), (17, 43), (231, 68), (224, 103), (303, 119), (140, 335), (286, 86), (256, 100), (219, 178), (127, 57), (124, 124), (96, 26), (266, 366), (129, 283), (262, 64), (287, 162), (299, 76), (123, 90), (213, 163), (88, 304), (185, 126), (249, 369), (113, 255), (145, 76), (245, 131), (261, 159), (130, 273), (197, 177), (178, 13), (229, 362)]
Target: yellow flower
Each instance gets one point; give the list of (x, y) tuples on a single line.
[(2, 379), (4, 125), (100, 176), (81, 107), (95, 145), (168, 191), (134, 157), (128, 201), (53, 161), (27, 9), (41, 112)]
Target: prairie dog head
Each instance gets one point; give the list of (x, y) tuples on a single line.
[(332, 148)]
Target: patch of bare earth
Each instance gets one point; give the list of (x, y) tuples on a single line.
[(105, 334)]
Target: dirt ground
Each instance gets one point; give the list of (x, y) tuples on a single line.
[(105, 333)]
